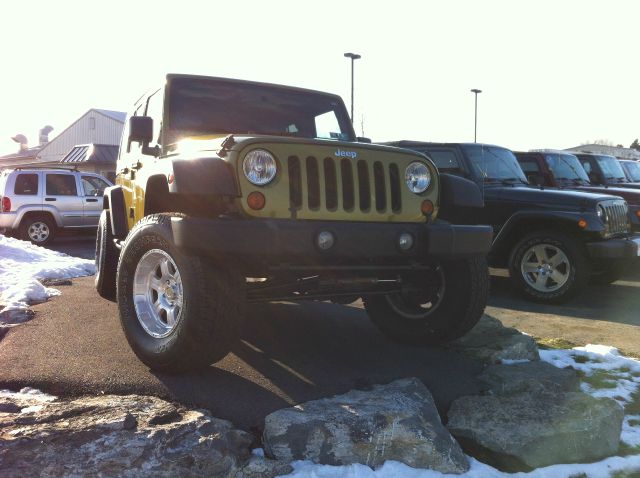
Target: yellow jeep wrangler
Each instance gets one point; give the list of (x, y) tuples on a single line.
[(230, 192)]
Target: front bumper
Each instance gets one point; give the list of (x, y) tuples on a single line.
[(280, 242), (626, 248)]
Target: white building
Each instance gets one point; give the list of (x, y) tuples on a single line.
[(618, 152), (96, 126)]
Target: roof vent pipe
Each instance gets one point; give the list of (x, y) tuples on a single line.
[(22, 140), (44, 134)]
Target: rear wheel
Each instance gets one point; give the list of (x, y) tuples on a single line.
[(549, 266), (39, 229), (106, 259), (446, 306), (178, 311)]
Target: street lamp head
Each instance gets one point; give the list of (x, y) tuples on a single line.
[(476, 91), (353, 56)]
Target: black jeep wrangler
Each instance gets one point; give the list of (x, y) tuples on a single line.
[(233, 191), (552, 241)]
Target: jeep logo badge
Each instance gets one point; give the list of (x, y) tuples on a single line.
[(346, 154)]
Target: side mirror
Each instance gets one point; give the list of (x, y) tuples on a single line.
[(141, 131)]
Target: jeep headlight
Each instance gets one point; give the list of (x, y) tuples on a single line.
[(259, 167), (601, 213), (418, 177)]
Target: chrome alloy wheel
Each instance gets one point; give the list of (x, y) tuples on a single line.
[(416, 306), (545, 267), (38, 231), (157, 293)]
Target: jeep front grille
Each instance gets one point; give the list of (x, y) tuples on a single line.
[(343, 184), (616, 217)]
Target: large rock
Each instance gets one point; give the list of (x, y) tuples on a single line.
[(534, 377), (398, 421), (491, 342), (528, 430), (127, 436)]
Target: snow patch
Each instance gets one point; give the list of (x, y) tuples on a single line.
[(27, 393), (24, 264)]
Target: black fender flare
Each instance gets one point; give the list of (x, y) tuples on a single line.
[(552, 218), (113, 200), (209, 175)]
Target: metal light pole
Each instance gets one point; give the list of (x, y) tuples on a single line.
[(475, 126), (353, 57)]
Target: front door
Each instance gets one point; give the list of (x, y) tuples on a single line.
[(61, 194), (93, 188)]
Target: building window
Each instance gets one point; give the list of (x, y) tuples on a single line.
[(92, 123)]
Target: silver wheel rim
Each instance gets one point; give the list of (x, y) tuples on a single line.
[(38, 231), (157, 293), (545, 267), (418, 311)]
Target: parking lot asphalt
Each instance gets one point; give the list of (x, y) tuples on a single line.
[(289, 353)]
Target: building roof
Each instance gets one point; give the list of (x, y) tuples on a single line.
[(92, 153), (116, 115), (618, 152)]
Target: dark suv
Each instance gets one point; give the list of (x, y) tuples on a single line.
[(631, 169), (560, 169), (605, 170), (552, 241)]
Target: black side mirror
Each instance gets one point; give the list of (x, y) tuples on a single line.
[(141, 131)]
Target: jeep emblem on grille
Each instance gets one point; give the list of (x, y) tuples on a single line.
[(346, 154)]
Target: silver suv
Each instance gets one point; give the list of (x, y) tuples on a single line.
[(35, 203)]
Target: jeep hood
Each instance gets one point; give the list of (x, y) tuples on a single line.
[(198, 144), (632, 196), (556, 198)]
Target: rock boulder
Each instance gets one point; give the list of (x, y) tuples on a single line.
[(531, 430), (534, 377), (398, 421), (491, 342), (127, 436)]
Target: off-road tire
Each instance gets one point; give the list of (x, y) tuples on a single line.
[(33, 220), (574, 250), (211, 313), (463, 303), (611, 273), (106, 259)]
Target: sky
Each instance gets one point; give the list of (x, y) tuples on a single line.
[(553, 74)]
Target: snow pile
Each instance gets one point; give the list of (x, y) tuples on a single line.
[(605, 372), (22, 264)]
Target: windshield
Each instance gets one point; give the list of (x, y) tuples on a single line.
[(634, 170), (611, 168), (566, 166), (201, 106), (494, 163)]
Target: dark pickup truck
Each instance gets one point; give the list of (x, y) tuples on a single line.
[(560, 169), (553, 241)]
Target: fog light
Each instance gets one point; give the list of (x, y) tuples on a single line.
[(405, 241), (325, 240)]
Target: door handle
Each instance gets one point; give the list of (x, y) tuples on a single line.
[(92, 200), (50, 199)]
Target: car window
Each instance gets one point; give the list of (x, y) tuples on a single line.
[(445, 161), (529, 165), (634, 170), (26, 185), (93, 186), (586, 165), (61, 185)]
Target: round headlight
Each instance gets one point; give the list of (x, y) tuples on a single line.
[(259, 167), (417, 177)]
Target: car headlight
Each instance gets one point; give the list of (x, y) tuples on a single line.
[(601, 214), (418, 177), (259, 167)]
